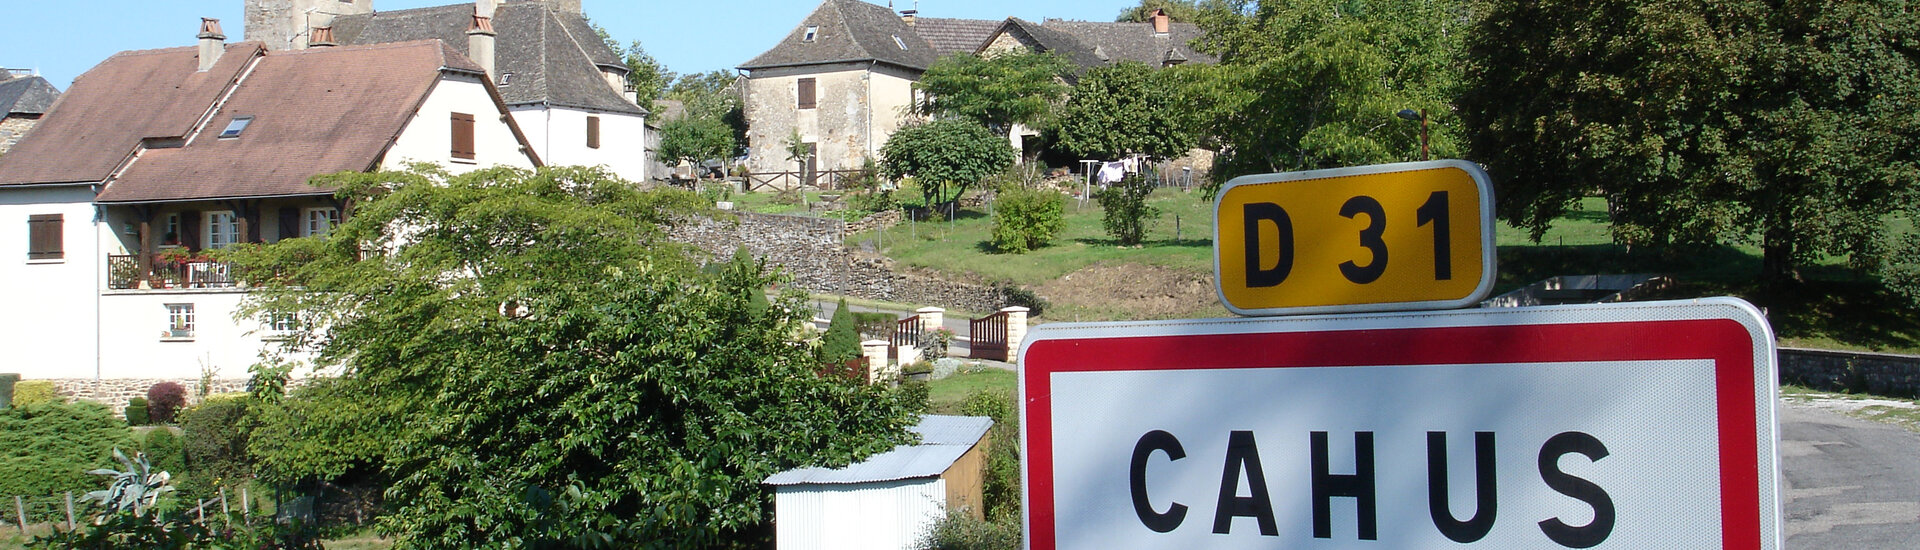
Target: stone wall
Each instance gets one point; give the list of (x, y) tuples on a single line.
[(874, 221), (114, 392), (12, 129), (810, 251), (1860, 372)]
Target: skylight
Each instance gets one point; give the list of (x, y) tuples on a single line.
[(235, 126), (504, 78), (811, 31), (898, 42)]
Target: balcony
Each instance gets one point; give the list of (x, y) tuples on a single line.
[(169, 272)]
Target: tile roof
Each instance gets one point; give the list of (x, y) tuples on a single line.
[(1134, 41), (849, 30), (316, 111), (950, 36), (1045, 39), (943, 439), (554, 56), (30, 95), (138, 94)]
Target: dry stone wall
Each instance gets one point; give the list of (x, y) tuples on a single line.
[(810, 251), (1876, 373), (115, 392)]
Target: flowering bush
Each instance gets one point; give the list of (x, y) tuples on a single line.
[(163, 400)]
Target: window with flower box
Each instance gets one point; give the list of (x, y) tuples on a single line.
[(179, 322)]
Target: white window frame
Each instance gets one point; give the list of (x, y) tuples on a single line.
[(283, 323), (170, 223), (180, 322), (215, 236), (813, 31), (308, 218)]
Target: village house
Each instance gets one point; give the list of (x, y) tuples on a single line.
[(24, 98), (564, 87), (842, 81), (155, 156)]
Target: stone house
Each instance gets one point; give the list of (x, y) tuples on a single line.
[(842, 80), (564, 87), (24, 98), (156, 155)]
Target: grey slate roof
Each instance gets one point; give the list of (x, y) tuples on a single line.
[(950, 36), (849, 30), (1134, 41), (29, 95), (943, 439), (554, 57), (1050, 40)]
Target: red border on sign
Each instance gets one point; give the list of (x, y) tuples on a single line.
[(1725, 342)]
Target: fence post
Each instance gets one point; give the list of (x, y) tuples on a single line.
[(876, 353), (202, 508), (246, 505), (20, 507), (1016, 327), (226, 513), (70, 525)]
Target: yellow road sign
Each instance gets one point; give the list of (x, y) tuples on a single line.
[(1415, 235)]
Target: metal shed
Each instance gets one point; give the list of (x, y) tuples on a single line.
[(889, 500)]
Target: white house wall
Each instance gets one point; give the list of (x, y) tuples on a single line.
[(886, 515), (429, 136), (559, 135), (135, 323), (50, 330)]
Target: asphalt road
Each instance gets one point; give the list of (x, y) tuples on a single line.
[(1848, 483)]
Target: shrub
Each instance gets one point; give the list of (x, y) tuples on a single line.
[(46, 449), (918, 395), (164, 400), (842, 341), (137, 412), (28, 393), (1016, 295), (1025, 219), (1127, 212), (216, 438), (1001, 492), (164, 449), (960, 531), (7, 380), (875, 325)]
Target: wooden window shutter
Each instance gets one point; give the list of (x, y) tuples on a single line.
[(463, 136), (45, 237), (593, 132), (806, 93), (289, 222), (190, 230)]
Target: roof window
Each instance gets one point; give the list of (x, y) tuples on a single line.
[(898, 42), (811, 32), (235, 126), (504, 78)]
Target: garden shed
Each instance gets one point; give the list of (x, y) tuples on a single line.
[(889, 500)]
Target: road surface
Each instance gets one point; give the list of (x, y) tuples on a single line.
[(1848, 484)]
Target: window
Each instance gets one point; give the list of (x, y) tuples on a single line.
[(45, 237), (593, 132), (179, 321), (283, 322), (463, 136), (806, 93), (235, 126), (170, 230), (812, 31), (504, 79), (321, 221), (223, 229), (898, 42)]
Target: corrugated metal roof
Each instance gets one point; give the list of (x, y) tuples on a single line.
[(943, 439)]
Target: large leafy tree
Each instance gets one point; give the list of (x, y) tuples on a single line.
[(562, 373), (712, 95), (946, 156), (648, 76), (696, 140), (1316, 83), (1782, 122), (1126, 109), (996, 91)]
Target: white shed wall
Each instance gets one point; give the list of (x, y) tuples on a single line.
[(559, 136), (886, 515), (429, 136)]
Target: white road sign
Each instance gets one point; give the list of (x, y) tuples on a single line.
[(1646, 425)]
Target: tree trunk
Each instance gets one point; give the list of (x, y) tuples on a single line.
[(1777, 266)]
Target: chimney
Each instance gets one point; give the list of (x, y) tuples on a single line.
[(480, 40), (321, 37), (212, 43), (908, 16), (484, 8), (1160, 22)]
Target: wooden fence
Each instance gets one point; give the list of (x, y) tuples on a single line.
[(824, 180), (989, 337), (906, 332)]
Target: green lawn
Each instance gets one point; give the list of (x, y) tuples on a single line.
[(947, 394)]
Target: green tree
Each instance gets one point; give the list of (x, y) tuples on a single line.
[(996, 92), (1126, 109), (945, 156), (563, 374), (648, 76), (713, 95), (695, 140), (1316, 83), (842, 340), (1125, 210), (1783, 123), (1027, 219), (1177, 10)]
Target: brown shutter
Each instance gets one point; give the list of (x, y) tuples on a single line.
[(289, 222), (45, 237), (462, 136), (806, 93), (593, 132), (190, 230)]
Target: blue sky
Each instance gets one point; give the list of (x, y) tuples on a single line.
[(63, 38)]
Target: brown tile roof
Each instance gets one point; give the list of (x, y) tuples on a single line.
[(1118, 42), (950, 36), (135, 94), (316, 111), (849, 30)]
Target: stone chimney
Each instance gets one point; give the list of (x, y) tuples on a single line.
[(212, 43), (1160, 22), (909, 16), (322, 37), (480, 37)]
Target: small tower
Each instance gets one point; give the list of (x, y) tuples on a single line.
[(289, 24)]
